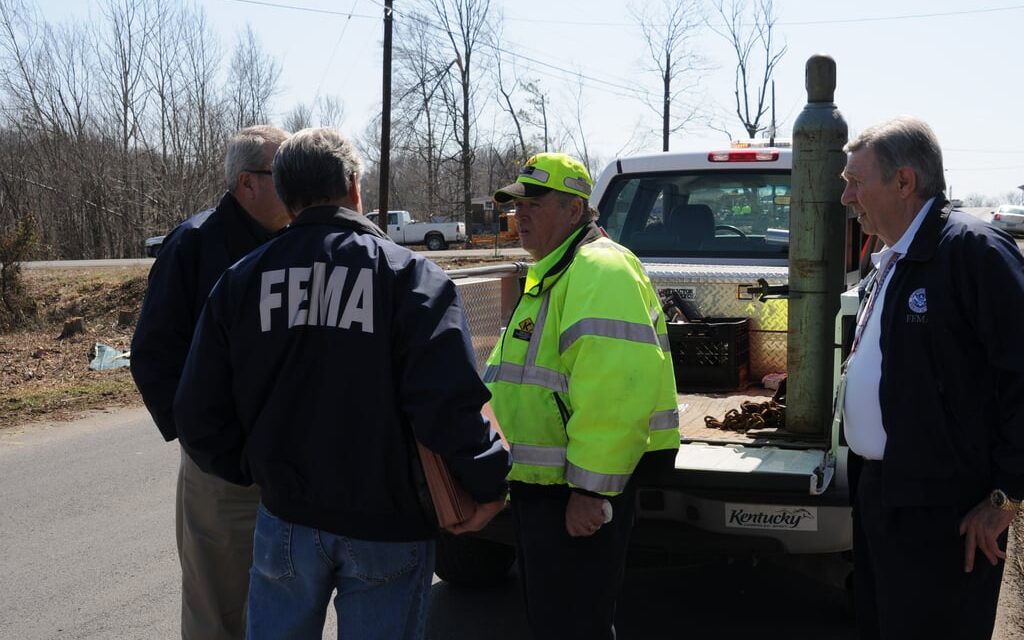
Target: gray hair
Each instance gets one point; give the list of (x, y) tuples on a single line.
[(245, 150), (314, 167), (905, 142), (589, 213)]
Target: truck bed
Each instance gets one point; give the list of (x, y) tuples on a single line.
[(693, 407)]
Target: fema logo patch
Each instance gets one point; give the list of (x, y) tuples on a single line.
[(918, 301)]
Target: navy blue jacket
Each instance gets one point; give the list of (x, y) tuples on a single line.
[(191, 259), (952, 374), (315, 360)]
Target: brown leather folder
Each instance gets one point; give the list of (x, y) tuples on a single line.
[(452, 504)]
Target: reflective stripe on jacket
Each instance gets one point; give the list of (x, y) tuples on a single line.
[(582, 378)]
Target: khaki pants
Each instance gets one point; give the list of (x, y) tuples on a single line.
[(214, 524)]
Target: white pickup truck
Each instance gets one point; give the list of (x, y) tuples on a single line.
[(435, 235), (710, 227)]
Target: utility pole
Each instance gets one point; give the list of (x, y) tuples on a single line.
[(385, 124), (666, 103)]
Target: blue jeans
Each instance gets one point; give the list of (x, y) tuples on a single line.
[(383, 587)]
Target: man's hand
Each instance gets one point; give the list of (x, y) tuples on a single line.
[(982, 527), (483, 514), (583, 514)]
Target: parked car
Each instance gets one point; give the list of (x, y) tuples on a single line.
[(153, 245), (1009, 218)]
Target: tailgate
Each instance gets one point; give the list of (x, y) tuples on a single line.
[(770, 459), (753, 468)]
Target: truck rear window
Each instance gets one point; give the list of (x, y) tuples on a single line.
[(705, 214)]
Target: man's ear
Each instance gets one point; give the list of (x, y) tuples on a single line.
[(353, 192), (906, 181), (577, 211)]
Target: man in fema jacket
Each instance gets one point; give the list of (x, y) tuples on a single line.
[(317, 359), (934, 396)]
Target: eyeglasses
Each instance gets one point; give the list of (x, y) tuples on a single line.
[(262, 172)]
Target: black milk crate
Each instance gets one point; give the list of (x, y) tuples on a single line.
[(711, 355)]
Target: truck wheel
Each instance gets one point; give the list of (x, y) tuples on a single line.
[(436, 242), (472, 562)]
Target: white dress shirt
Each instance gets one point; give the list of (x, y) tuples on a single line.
[(862, 419)]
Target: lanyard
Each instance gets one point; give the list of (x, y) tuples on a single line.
[(864, 313)]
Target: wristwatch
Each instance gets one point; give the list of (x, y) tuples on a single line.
[(1000, 500)]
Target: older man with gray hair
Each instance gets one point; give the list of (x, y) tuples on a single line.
[(317, 363), (214, 519), (934, 396)]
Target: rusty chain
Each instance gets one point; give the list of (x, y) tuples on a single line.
[(751, 415)]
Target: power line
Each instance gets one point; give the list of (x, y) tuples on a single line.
[(999, 151), (334, 51), (635, 94), (631, 91), (1015, 168), (621, 90), (277, 5), (912, 16)]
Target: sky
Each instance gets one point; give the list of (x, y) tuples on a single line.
[(955, 64)]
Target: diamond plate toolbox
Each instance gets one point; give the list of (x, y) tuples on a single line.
[(713, 290)]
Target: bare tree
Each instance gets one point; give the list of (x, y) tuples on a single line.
[(204, 116), (163, 72), (668, 34), (507, 105), (330, 111), (123, 46), (300, 117), (1008, 197), (576, 128), (326, 111), (422, 127), (752, 38), (253, 81), (539, 101), (975, 199), (467, 25)]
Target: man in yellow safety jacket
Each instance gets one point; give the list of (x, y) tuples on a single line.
[(583, 389)]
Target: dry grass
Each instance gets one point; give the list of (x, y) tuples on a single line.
[(45, 377)]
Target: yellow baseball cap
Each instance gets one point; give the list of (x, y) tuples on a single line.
[(548, 171)]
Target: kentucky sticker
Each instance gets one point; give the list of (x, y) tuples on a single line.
[(762, 516), (525, 330)]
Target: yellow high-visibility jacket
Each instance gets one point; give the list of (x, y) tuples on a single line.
[(582, 379)]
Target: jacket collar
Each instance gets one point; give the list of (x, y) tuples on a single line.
[(243, 233), (546, 271), (927, 238), (339, 217)]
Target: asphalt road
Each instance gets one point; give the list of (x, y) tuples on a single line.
[(87, 551)]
